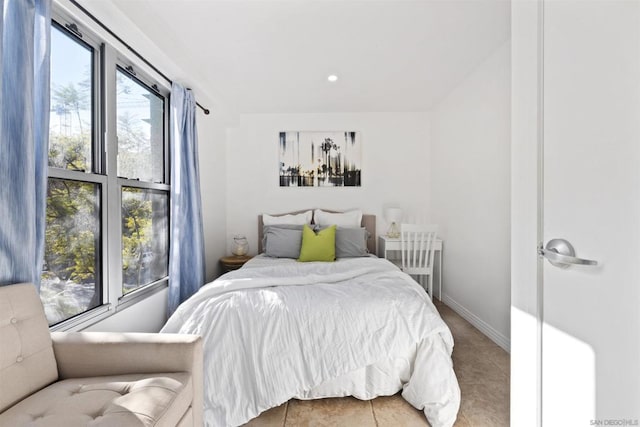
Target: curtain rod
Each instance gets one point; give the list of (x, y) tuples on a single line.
[(135, 52)]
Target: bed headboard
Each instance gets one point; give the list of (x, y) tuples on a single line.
[(368, 222)]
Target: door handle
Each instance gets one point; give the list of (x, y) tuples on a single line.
[(561, 254)]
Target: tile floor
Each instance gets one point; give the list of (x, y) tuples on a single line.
[(482, 369)]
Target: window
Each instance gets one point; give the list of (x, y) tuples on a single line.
[(71, 129), (145, 237), (107, 230), (72, 270), (140, 130), (71, 275), (141, 162)]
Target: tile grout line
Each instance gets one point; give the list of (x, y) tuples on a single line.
[(373, 412)]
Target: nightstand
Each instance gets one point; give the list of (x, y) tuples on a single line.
[(233, 262)]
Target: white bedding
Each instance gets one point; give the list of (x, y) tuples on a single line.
[(277, 330)]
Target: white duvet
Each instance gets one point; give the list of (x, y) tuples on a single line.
[(275, 332)]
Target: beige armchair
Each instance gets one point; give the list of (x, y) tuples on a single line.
[(92, 378)]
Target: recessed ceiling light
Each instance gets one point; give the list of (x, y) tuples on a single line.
[(332, 78)]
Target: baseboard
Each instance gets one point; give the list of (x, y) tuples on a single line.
[(480, 324)]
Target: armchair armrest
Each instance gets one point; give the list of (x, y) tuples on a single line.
[(91, 354)]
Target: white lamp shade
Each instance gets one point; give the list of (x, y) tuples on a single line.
[(393, 215)]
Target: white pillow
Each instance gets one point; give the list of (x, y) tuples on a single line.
[(297, 219), (351, 219)]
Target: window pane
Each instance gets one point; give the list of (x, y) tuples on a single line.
[(145, 237), (71, 121), (71, 271), (140, 131)]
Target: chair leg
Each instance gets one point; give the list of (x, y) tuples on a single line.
[(420, 278), (430, 282)]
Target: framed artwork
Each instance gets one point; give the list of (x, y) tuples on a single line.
[(320, 159)]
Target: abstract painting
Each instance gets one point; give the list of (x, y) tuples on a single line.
[(320, 159)]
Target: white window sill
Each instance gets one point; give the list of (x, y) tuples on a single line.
[(93, 316)]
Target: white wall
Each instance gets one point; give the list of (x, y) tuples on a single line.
[(212, 137), (471, 194), (395, 168), (148, 315)]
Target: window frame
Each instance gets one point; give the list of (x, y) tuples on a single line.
[(140, 77), (122, 65), (106, 60), (87, 40)]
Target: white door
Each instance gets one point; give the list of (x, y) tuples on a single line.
[(591, 140)]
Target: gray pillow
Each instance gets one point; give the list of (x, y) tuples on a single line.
[(282, 241), (351, 242)]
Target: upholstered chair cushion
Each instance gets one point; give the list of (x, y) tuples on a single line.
[(27, 363), (124, 400)]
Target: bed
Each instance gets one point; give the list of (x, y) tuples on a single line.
[(278, 329)]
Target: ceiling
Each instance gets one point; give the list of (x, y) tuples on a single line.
[(274, 56)]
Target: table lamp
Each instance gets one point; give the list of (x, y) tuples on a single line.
[(393, 216)]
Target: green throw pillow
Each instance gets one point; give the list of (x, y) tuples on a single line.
[(318, 247)]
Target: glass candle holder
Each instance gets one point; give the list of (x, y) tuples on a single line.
[(240, 245)]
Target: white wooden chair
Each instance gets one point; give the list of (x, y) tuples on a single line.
[(417, 243)]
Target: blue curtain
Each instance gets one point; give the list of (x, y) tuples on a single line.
[(25, 32), (186, 249)]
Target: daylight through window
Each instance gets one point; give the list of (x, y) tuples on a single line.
[(108, 192)]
